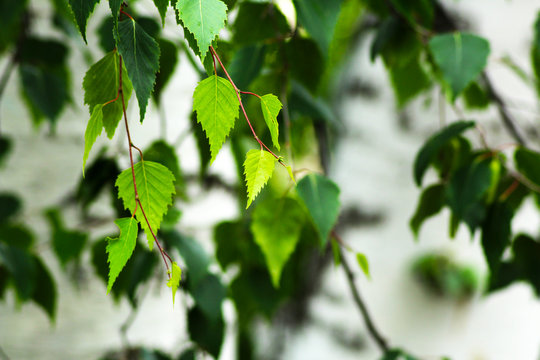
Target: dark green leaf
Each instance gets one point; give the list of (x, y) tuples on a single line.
[(321, 197), (467, 188), (167, 64), (45, 290), (432, 146), (528, 163), (105, 35), (188, 354), (115, 6), (257, 22), (461, 57), (476, 97), (82, 10), (431, 202), (305, 61), (162, 6), (5, 147), (12, 13), (234, 244), (16, 235), (319, 18), (100, 174), (67, 244), (206, 332), (417, 12), (496, 234), (246, 65), (140, 53), (526, 259), (22, 267), (10, 205), (203, 146), (535, 53), (209, 294)]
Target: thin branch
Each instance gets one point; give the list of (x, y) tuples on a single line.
[(372, 329)]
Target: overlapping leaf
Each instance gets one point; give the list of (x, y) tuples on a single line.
[(93, 130), (174, 281), (101, 84), (217, 108), (162, 8), (121, 248), (155, 187), (82, 10), (276, 228), (321, 197), (258, 168), (204, 19), (461, 57), (141, 55), (271, 106)]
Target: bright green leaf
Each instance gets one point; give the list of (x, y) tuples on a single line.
[(174, 280), (363, 263), (204, 19), (101, 84), (321, 197), (432, 146), (258, 168), (140, 53), (291, 175), (217, 108), (121, 248), (271, 106), (93, 130), (155, 187), (461, 57), (276, 228), (82, 10)]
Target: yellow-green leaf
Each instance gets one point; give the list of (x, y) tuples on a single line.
[(93, 130), (363, 263), (121, 248), (258, 169), (271, 106), (174, 280)]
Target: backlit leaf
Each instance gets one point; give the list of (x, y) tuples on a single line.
[(93, 130), (204, 19), (276, 228), (82, 10), (321, 197), (258, 169), (174, 281), (217, 108), (121, 248), (140, 53), (155, 187), (362, 261), (461, 57), (271, 106)]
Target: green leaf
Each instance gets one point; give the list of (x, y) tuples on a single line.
[(336, 252), (461, 57), (271, 106), (67, 244), (101, 84), (163, 153), (5, 148), (204, 19), (276, 227), (258, 168), (115, 6), (45, 290), (22, 267), (321, 197), (408, 80), (301, 51), (431, 202), (217, 108), (246, 64), (256, 23), (162, 6), (10, 205), (319, 18), (140, 53), (528, 163), (496, 234), (466, 190), (363, 263), (155, 187), (206, 332), (82, 10), (432, 146), (121, 248), (209, 294), (93, 130), (174, 281)]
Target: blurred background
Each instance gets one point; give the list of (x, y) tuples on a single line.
[(425, 296)]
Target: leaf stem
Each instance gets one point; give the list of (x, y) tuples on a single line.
[(137, 199), (238, 92), (375, 334)]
